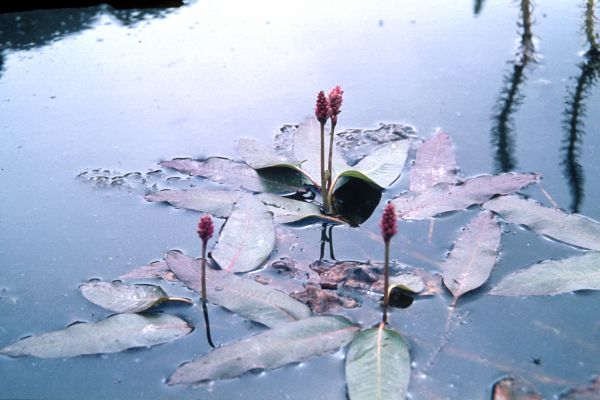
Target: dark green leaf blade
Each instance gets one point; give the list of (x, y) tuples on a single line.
[(247, 239), (286, 210), (378, 365), (444, 197), (569, 228), (553, 277), (243, 296), (116, 333), (274, 348), (473, 256), (216, 202)]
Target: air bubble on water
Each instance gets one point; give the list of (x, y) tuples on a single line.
[(218, 288)]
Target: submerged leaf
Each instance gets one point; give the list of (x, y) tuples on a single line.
[(117, 333), (473, 256), (235, 174), (435, 163), (378, 365), (247, 239), (444, 197), (289, 210), (125, 298), (285, 344), (514, 389), (587, 392), (569, 228), (216, 202), (553, 277), (240, 295)]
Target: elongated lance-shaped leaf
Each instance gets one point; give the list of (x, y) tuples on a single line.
[(117, 333), (444, 197), (289, 210), (435, 163), (378, 365), (553, 277), (216, 202), (274, 348), (235, 174), (247, 239), (125, 298), (243, 296), (569, 228), (473, 256)]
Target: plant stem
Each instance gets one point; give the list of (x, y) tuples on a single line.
[(324, 172), (330, 162), (386, 280), (203, 272)]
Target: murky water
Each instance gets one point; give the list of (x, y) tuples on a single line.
[(95, 88)]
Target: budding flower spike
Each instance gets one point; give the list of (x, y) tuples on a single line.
[(335, 103), (389, 228), (205, 231), (322, 109), (322, 112)]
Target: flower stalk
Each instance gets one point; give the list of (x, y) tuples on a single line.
[(205, 232), (388, 230)]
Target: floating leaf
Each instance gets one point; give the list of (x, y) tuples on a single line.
[(553, 277), (569, 228), (125, 298), (247, 239), (157, 269), (231, 173), (473, 256), (377, 365), (285, 344), (289, 210), (587, 392), (259, 156), (323, 301), (514, 389), (435, 163), (444, 197), (240, 295), (116, 333), (216, 202)]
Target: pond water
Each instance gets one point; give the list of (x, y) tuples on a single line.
[(121, 90)]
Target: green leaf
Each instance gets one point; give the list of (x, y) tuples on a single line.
[(240, 295), (569, 228), (116, 333), (234, 174), (553, 277), (289, 210), (473, 256), (285, 344), (444, 197), (216, 202), (258, 155), (435, 163), (125, 298), (247, 238), (378, 365)]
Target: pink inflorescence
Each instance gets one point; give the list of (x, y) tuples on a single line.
[(205, 228), (335, 102), (388, 222), (322, 110)]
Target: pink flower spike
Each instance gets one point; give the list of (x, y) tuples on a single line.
[(335, 102), (322, 110), (388, 222), (205, 228)]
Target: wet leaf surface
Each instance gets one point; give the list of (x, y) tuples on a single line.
[(157, 269), (240, 295), (258, 155), (323, 301), (114, 334), (216, 202), (473, 256), (435, 163), (274, 348), (247, 238), (239, 175), (586, 392), (378, 365), (125, 298), (569, 228), (553, 277), (444, 197), (289, 210), (514, 389)]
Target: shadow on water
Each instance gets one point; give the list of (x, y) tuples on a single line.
[(575, 112), (478, 6), (502, 131)]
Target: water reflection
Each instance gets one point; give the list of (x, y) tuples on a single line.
[(510, 99), (575, 112), (478, 6)]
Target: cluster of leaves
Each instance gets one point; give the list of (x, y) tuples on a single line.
[(378, 358)]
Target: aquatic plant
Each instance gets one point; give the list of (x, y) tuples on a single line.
[(388, 230), (205, 232)]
